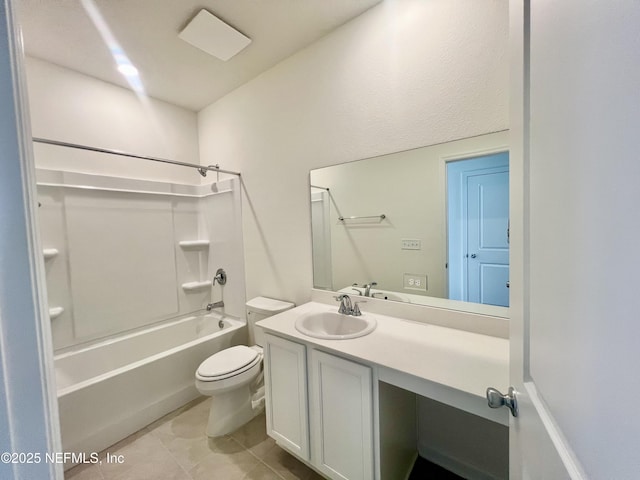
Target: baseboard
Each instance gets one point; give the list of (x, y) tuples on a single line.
[(456, 466), (133, 422), (408, 474)]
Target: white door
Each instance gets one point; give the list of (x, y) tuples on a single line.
[(487, 236), (477, 229), (575, 256)]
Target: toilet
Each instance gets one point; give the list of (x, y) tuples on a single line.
[(233, 376)]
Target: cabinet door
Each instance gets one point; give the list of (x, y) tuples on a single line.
[(285, 374), (342, 418)]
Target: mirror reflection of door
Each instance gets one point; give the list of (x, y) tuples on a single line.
[(478, 223)]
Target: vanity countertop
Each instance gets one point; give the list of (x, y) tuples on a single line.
[(460, 361)]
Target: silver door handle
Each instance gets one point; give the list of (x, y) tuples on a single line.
[(495, 399), (507, 283)]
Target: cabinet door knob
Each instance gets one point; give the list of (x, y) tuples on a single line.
[(496, 399)]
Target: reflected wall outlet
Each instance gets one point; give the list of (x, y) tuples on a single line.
[(415, 281), (411, 244)]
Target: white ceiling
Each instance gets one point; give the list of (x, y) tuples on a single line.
[(61, 32)]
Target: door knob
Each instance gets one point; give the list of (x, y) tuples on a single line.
[(473, 255), (495, 399)]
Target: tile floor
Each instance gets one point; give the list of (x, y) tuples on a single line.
[(176, 448)]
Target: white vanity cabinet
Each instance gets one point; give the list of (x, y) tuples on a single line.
[(285, 380), (341, 417), (339, 409)]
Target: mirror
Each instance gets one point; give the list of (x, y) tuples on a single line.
[(426, 226)]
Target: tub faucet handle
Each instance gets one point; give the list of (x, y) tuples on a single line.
[(221, 277)]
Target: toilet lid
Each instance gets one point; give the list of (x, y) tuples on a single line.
[(227, 361)]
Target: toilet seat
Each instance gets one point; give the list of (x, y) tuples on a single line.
[(228, 363)]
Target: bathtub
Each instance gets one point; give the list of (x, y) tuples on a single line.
[(112, 389)]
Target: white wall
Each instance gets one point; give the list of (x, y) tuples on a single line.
[(72, 107), (405, 187), (405, 74), (466, 444)]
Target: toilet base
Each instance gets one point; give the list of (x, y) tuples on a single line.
[(230, 410)]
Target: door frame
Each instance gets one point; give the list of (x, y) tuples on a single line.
[(322, 196), (28, 400)]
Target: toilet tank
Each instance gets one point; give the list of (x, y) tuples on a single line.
[(260, 308)]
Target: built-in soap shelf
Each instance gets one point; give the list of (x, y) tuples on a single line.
[(49, 253), (191, 286), (55, 312), (193, 244)]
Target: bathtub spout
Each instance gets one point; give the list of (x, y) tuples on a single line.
[(211, 306)]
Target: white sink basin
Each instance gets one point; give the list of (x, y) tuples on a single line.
[(335, 326), (385, 295), (375, 293)]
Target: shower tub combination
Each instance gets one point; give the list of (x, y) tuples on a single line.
[(114, 388)]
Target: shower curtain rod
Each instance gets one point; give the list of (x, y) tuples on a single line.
[(201, 168)]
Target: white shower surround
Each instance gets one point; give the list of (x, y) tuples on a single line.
[(129, 252), (114, 388)]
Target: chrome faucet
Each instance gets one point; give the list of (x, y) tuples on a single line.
[(213, 305), (367, 288), (346, 308), (345, 304)]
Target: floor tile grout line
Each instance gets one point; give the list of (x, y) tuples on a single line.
[(94, 467), (260, 460), (140, 434), (186, 472), (170, 417), (210, 453)]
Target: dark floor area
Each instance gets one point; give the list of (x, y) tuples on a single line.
[(425, 470)]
